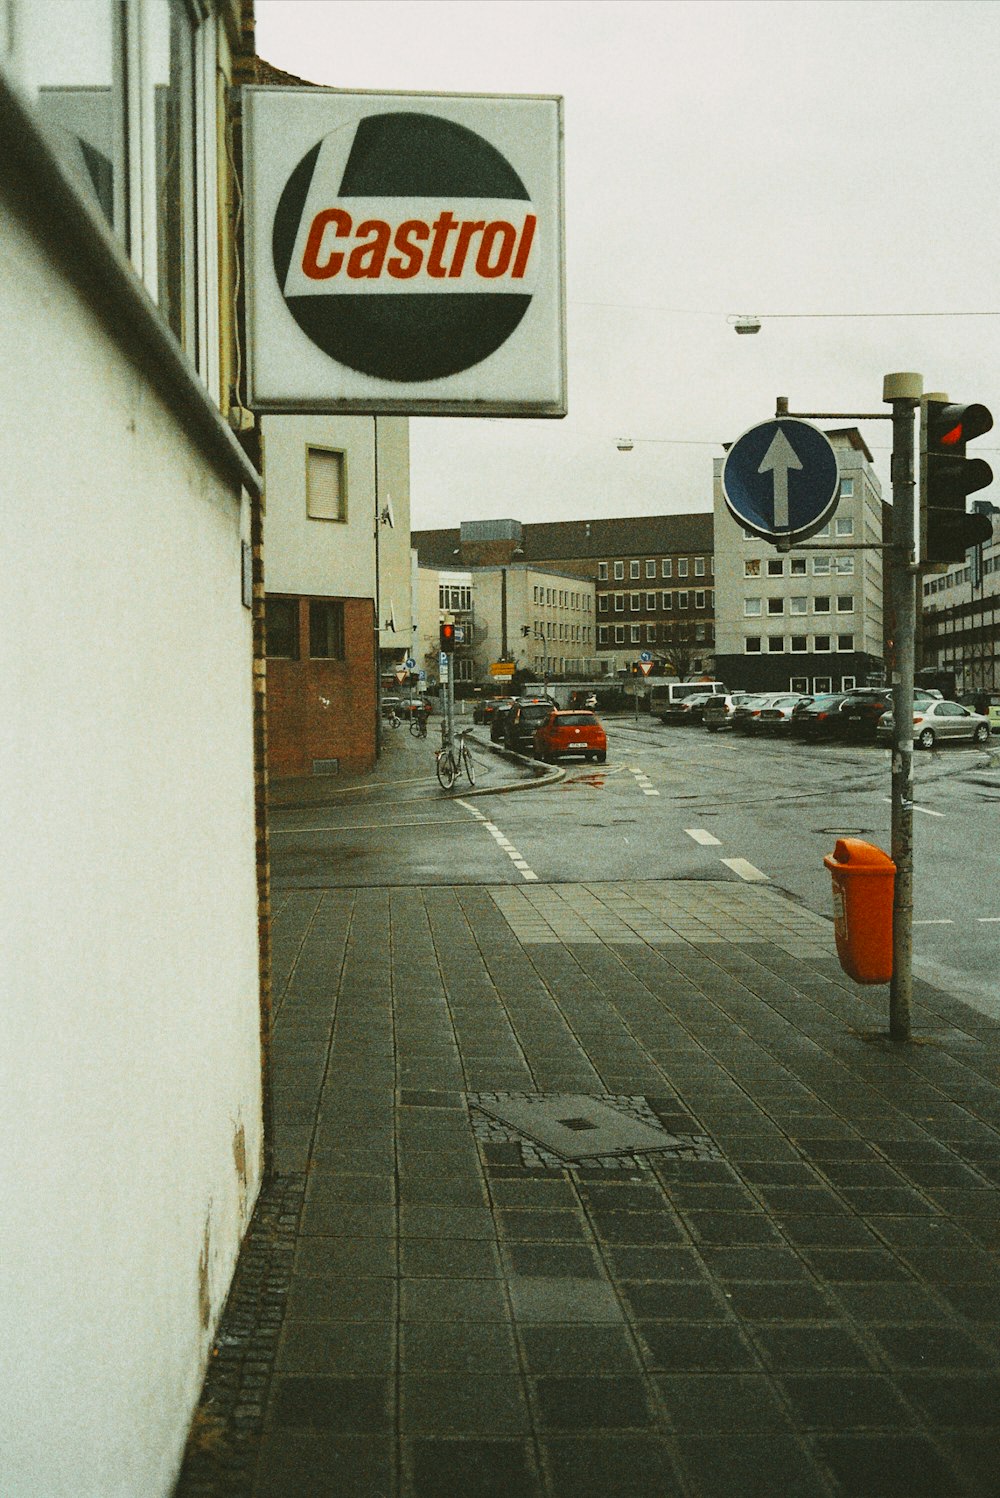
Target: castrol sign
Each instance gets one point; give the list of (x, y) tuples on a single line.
[(404, 253)]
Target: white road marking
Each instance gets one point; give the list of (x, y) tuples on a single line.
[(925, 809), (934, 923), (701, 836), (988, 920), (501, 841), (746, 870)]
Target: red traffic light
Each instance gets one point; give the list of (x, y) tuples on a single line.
[(950, 426), (949, 475), (448, 638)]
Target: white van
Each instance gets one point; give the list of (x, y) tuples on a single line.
[(665, 696)]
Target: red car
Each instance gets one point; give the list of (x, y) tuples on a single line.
[(571, 733)]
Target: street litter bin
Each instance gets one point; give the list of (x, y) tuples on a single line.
[(863, 880)]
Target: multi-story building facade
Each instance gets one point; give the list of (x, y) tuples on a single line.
[(811, 619), (542, 621), (652, 576), (336, 533), (961, 618)]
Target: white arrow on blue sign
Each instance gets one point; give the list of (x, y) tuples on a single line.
[(410, 663), (780, 479), (644, 655)]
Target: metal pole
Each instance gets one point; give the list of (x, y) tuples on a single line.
[(378, 605), (903, 391)]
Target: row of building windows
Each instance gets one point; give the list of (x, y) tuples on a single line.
[(550, 630), (326, 629), (821, 604), (800, 644), (648, 568), (963, 575), (562, 598), (702, 600), (648, 633), (798, 567)]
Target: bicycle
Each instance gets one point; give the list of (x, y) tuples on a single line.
[(392, 718), (418, 725), (451, 762)]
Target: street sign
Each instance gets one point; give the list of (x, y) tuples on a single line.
[(401, 674), (780, 480), (459, 634), (442, 657), (421, 675), (410, 663), (502, 668), (645, 667), (644, 655)]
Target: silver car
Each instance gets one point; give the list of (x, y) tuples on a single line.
[(935, 720)]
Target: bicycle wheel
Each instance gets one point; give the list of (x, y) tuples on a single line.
[(417, 729), (446, 769), (467, 763)]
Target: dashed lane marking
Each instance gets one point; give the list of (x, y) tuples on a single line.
[(746, 870), (701, 836), (521, 864)]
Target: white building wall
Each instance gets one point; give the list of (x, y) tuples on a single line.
[(130, 1097)]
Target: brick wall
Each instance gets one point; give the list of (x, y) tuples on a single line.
[(324, 709)]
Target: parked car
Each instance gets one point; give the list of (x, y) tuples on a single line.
[(391, 706), (748, 711), (522, 720), (665, 695), (984, 701), (866, 705), (571, 733), (483, 711), (776, 716), (687, 710), (938, 719), (718, 710), (498, 720), (819, 717)]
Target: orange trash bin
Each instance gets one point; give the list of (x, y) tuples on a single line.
[(863, 882)]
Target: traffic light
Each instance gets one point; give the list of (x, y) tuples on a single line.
[(448, 639), (947, 529)]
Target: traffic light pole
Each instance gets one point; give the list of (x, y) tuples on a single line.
[(903, 391)]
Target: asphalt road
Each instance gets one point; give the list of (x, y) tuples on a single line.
[(677, 803)]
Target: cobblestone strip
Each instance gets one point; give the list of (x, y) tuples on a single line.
[(224, 1439)]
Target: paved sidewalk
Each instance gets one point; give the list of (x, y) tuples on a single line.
[(780, 1277)]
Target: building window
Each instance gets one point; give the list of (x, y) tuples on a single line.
[(845, 603), (619, 571), (797, 566), (821, 604), (751, 568), (326, 629), (668, 601), (602, 603), (800, 643), (602, 634), (844, 526), (798, 684), (171, 65), (775, 605), (636, 633), (602, 572), (650, 602), (619, 603), (619, 634), (821, 566), (752, 645), (822, 684), (699, 631), (775, 644), (699, 600), (682, 600), (821, 642), (682, 567), (667, 567), (752, 607), (633, 569), (844, 566), (281, 624), (634, 602), (326, 490), (699, 566), (847, 488), (776, 568), (798, 605), (651, 634), (848, 683), (845, 642), (650, 568)]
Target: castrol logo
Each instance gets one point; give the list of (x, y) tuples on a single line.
[(406, 246)]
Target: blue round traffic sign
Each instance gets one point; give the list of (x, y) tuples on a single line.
[(780, 479), (644, 655), (410, 663)]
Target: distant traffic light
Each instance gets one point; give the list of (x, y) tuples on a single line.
[(448, 639), (947, 529)]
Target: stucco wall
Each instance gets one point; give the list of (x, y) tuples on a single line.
[(129, 1080)]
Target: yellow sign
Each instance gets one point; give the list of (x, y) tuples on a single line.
[(502, 668)]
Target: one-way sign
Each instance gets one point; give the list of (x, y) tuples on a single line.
[(780, 480)]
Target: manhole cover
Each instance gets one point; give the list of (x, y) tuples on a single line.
[(574, 1129)]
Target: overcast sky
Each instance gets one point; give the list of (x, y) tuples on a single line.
[(721, 158)]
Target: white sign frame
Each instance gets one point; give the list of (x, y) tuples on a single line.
[(524, 375)]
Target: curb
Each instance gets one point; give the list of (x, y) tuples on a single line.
[(549, 776)]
